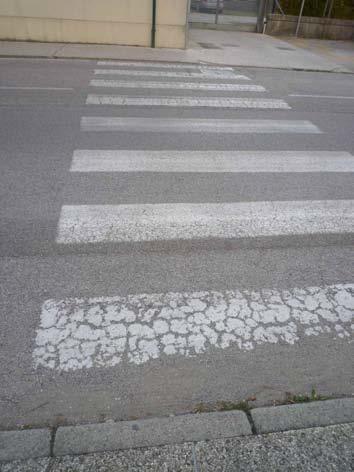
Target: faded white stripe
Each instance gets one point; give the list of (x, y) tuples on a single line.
[(185, 221), (176, 125), (212, 102), (79, 333), (211, 161), (340, 97), (176, 85), (59, 89), (162, 65), (205, 73)]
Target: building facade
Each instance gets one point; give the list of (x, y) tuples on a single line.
[(162, 23)]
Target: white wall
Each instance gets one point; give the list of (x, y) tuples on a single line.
[(94, 21)]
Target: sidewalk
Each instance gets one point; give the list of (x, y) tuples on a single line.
[(231, 48)]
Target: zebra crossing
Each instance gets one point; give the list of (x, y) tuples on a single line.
[(102, 332)]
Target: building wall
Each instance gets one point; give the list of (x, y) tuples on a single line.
[(94, 21), (311, 27)]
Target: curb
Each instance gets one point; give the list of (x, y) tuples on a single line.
[(211, 64), (303, 415), (113, 436)]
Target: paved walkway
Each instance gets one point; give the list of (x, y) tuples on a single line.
[(205, 46), (341, 52)]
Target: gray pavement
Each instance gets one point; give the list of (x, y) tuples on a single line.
[(234, 48), (53, 374)]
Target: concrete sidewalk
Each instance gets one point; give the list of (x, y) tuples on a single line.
[(231, 48)]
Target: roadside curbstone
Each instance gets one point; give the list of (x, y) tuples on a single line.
[(25, 444), (173, 430), (112, 436), (303, 415)]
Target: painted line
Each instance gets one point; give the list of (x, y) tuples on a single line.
[(68, 89), (206, 73), (80, 224), (322, 96), (176, 85), (80, 333), (162, 65), (189, 125), (211, 161), (211, 102)]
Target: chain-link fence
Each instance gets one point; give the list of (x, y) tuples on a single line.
[(341, 9)]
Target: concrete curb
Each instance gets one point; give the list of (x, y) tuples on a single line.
[(111, 436), (303, 415), (25, 444), (150, 432)]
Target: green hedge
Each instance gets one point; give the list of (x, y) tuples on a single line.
[(341, 8)]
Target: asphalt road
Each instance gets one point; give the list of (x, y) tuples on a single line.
[(133, 287)]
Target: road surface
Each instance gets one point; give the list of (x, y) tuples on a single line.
[(172, 235)]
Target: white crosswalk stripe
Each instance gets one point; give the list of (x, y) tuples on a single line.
[(163, 65), (211, 161), (211, 102), (81, 333), (198, 125), (154, 222), (221, 87), (206, 73)]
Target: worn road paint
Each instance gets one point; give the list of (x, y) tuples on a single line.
[(142, 84), (189, 125), (340, 97), (79, 224), (212, 102), (102, 332), (205, 73), (162, 65), (59, 89), (211, 161)]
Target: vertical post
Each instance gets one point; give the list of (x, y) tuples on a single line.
[(217, 11), (325, 8), (300, 16), (330, 9), (260, 16), (153, 27)]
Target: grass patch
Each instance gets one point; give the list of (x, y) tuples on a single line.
[(305, 398), (222, 406)]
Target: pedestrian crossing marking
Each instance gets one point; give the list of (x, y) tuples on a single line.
[(197, 125), (81, 224), (163, 65), (79, 333), (177, 85), (211, 102), (219, 74), (211, 161)]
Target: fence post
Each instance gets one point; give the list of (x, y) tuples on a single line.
[(153, 27)]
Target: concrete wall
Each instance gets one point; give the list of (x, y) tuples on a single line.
[(94, 21), (323, 28)]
